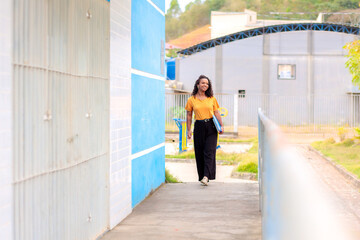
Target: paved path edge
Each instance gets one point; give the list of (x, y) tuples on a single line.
[(348, 175), (191, 160), (244, 175)]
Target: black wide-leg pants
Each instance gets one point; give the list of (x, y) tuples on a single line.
[(205, 141)]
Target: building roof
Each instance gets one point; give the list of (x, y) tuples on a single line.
[(192, 38), (268, 30)]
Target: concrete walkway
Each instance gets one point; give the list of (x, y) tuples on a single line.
[(190, 211), (228, 208)]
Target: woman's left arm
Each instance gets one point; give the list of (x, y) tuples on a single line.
[(218, 116)]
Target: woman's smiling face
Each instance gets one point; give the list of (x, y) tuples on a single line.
[(203, 84)]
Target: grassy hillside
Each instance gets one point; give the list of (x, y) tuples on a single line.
[(197, 13)]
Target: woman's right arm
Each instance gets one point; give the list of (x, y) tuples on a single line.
[(188, 123)]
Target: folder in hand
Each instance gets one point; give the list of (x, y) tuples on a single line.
[(217, 124)]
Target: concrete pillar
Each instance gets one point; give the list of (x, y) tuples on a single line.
[(218, 69), (310, 78), (265, 73), (236, 112)]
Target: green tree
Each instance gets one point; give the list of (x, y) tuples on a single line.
[(215, 5), (195, 16), (353, 62), (347, 4), (172, 53), (172, 26), (235, 6), (174, 9)]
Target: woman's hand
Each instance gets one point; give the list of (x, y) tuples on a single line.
[(222, 130), (188, 123), (189, 133), (218, 117)]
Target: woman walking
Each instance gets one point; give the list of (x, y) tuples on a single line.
[(204, 105)]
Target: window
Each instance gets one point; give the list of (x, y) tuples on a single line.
[(241, 93), (286, 71)]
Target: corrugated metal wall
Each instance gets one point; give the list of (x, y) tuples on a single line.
[(120, 110), (6, 143), (61, 118)]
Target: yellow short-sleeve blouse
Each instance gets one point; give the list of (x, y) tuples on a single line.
[(203, 109)]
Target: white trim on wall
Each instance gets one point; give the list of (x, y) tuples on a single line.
[(156, 7), (145, 74), (146, 151)]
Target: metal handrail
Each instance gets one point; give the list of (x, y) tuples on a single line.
[(293, 202)]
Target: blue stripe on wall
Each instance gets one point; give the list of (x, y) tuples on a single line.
[(147, 174), (147, 31), (148, 112)]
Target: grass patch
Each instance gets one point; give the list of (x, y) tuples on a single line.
[(183, 155), (345, 153), (169, 178), (227, 158), (249, 162), (248, 166), (235, 140)]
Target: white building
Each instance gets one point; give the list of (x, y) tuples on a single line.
[(295, 72), (224, 23)]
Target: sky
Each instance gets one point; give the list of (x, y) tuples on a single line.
[(182, 4)]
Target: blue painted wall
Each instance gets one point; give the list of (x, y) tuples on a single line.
[(147, 174), (160, 4), (147, 98), (147, 31), (147, 112)]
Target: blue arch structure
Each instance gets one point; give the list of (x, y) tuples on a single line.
[(328, 27)]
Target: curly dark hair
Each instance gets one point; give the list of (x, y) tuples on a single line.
[(208, 92)]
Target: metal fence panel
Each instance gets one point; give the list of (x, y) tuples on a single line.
[(315, 113), (175, 108), (296, 113)]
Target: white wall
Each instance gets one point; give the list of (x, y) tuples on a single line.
[(58, 180), (289, 43), (6, 190), (191, 67), (120, 110), (242, 66), (223, 24)]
